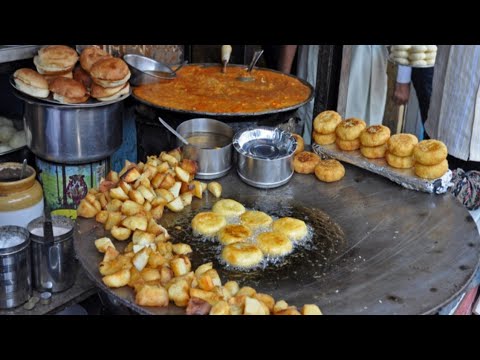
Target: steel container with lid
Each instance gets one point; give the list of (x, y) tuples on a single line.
[(15, 267), (54, 265), (264, 156)]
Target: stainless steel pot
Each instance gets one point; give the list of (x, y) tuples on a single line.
[(15, 268), (72, 134), (54, 265), (264, 156), (215, 161)]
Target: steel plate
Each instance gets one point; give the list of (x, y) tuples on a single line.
[(378, 248)]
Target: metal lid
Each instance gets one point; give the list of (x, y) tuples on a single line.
[(13, 239), (62, 229)]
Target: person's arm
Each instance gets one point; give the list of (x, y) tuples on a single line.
[(401, 93), (286, 56)]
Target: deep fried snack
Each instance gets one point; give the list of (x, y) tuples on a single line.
[(329, 170), (348, 145), (292, 228), (274, 244), (374, 135), (399, 162), (350, 129), (208, 223), (402, 144), (242, 255), (228, 208), (305, 162), (324, 139), (374, 152), (326, 122), (430, 152), (431, 171), (234, 233), (300, 143), (255, 219)]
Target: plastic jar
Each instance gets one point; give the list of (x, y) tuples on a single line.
[(21, 201)]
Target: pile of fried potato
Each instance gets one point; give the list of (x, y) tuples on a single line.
[(129, 204)]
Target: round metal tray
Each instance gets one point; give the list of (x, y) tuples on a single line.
[(206, 114), (378, 248), (90, 103)]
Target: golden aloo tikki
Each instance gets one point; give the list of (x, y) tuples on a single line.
[(207, 89)]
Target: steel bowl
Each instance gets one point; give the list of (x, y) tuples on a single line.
[(264, 156), (210, 146), (145, 70), (72, 134)]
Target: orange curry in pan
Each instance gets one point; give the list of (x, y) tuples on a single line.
[(207, 89)]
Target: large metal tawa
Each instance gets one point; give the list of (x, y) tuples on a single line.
[(386, 250)]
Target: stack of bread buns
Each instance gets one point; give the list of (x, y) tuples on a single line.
[(430, 159), (414, 55), (31, 82), (55, 61), (348, 134), (400, 151), (373, 141), (324, 127)]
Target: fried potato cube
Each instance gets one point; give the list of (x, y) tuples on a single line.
[(215, 188), (135, 222), (236, 309), (197, 306), (165, 194), (232, 288), (114, 205), (178, 292), (147, 194), (150, 171), (129, 248), (204, 186), (103, 243), (203, 268), (311, 309), (135, 278), (157, 212), (114, 218), (189, 166), (185, 188), (291, 310), (238, 300), (181, 265), (169, 159), (268, 300), (165, 248), (86, 210), (118, 279), (140, 259), (182, 175), (147, 207), (167, 182), (149, 274), (253, 307), (214, 276), (120, 233), (128, 165), (154, 228), (130, 175), (158, 201), (125, 186), (207, 296), (106, 185), (197, 190), (97, 205), (248, 291), (156, 260), (142, 238), (220, 308), (136, 196), (130, 208), (118, 193), (175, 205), (163, 167), (181, 249), (112, 176), (280, 306), (103, 201), (152, 295), (102, 216), (90, 198), (110, 254), (145, 181), (186, 198), (175, 189), (166, 275), (176, 153), (205, 282), (157, 180), (121, 262)]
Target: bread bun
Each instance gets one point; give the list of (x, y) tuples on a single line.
[(108, 94), (54, 59), (111, 72), (50, 78), (92, 55), (68, 91), (31, 82), (82, 76)]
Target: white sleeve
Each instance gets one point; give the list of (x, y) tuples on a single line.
[(404, 74)]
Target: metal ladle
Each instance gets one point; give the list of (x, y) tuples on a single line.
[(169, 128), (24, 168), (256, 57)]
